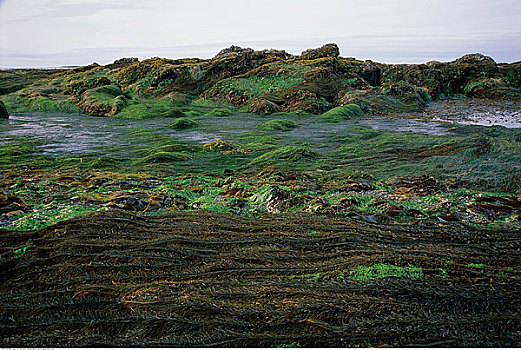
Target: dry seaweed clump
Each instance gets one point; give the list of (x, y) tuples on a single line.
[(223, 147)]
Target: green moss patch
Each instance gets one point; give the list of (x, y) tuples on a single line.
[(284, 154), (46, 215), (278, 125), (151, 109), (163, 157), (184, 123), (338, 114), (365, 273), (219, 112)]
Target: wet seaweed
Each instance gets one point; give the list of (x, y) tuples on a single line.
[(203, 279)]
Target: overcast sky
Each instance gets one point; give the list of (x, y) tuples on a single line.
[(75, 32)]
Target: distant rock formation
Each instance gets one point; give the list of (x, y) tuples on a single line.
[(266, 82), (3, 111), (122, 62), (239, 51), (328, 50), (232, 51)]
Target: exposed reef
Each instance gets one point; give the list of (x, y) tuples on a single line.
[(262, 82)]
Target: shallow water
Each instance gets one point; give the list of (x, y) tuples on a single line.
[(74, 134), (476, 112)]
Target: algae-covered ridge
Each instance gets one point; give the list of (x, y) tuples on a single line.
[(263, 82)]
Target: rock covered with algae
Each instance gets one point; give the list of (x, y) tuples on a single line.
[(257, 81)]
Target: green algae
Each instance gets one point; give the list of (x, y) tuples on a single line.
[(365, 273), (47, 215), (219, 112), (260, 83), (169, 146), (151, 109), (285, 154), (23, 152), (192, 113), (278, 125), (338, 114), (162, 157), (184, 123), (18, 104), (462, 158)]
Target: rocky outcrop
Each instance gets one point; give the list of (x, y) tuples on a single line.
[(239, 51), (276, 53), (328, 50), (232, 51), (372, 74), (105, 101), (122, 62), (3, 111), (270, 81)]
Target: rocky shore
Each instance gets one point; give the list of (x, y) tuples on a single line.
[(262, 82)]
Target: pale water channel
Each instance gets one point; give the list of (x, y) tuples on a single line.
[(74, 134)]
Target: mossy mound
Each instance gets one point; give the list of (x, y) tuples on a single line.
[(219, 145), (193, 113), (151, 109), (285, 153), (337, 114), (278, 125), (224, 147), (162, 157), (184, 123), (219, 112), (39, 102), (103, 101)]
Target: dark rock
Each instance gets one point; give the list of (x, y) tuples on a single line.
[(475, 59), (388, 101), (232, 51), (122, 62), (372, 74), (3, 111), (276, 53), (328, 50), (473, 67), (86, 68)]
